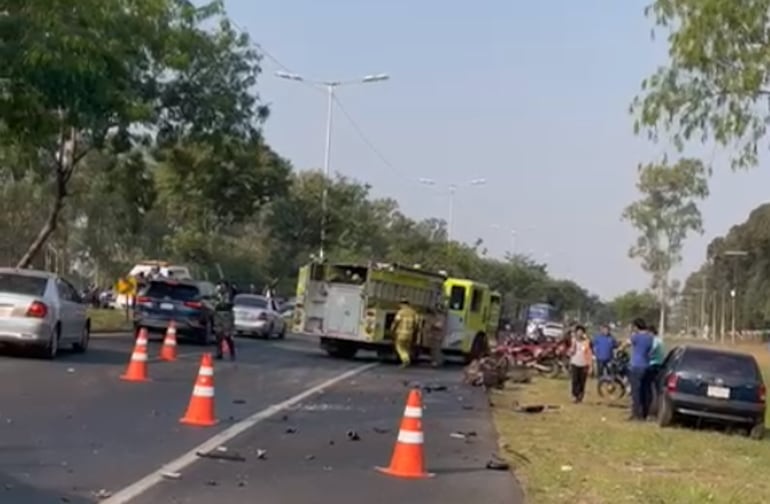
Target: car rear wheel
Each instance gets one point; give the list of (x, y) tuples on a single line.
[(51, 349), (665, 412), (758, 431), (82, 345)]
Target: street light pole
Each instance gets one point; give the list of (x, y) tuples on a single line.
[(734, 288), (452, 191), (330, 87)]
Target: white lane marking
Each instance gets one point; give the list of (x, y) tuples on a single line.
[(134, 490)]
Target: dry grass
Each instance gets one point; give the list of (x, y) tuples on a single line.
[(590, 454), (108, 320)]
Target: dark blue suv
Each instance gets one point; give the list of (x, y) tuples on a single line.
[(711, 384), (186, 302)]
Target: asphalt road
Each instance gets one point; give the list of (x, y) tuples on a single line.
[(71, 431)]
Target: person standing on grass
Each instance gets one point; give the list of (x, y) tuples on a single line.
[(604, 345), (580, 361), (657, 355), (641, 343)]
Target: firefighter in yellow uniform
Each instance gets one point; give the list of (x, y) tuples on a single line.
[(404, 327)]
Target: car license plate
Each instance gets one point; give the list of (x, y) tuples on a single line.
[(166, 306), (718, 392)]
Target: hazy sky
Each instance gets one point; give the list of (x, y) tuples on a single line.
[(532, 96)]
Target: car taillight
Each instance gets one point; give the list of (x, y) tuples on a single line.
[(197, 305), (37, 310), (671, 382), (762, 392)]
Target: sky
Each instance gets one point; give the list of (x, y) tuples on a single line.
[(533, 97)]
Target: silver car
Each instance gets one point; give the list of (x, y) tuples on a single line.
[(257, 316), (41, 310)]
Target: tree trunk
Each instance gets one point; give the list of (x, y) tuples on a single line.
[(50, 223)]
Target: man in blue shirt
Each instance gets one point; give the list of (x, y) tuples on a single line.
[(641, 385), (604, 347)]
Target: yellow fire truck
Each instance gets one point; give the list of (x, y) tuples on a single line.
[(351, 307)]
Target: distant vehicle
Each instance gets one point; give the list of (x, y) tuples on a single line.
[(546, 317), (43, 311), (188, 303), (711, 384), (166, 270), (258, 316)]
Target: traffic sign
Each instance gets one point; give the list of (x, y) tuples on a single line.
[(126, 286)]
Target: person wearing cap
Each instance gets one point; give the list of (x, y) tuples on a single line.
[(404, 326)]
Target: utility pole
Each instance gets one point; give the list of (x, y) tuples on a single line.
[(330, 87)]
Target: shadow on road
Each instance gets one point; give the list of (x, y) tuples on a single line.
[(14, 491)]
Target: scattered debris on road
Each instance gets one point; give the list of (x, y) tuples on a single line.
[(102, 494), (239, 401), (497, 464), (463, 435), (171, 475), (261, 454), (380, 430), (290, 430), (353, 436)]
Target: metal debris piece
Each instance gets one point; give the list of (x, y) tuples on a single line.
[(261, 454), (171, 475), (353, 436), (232, 457), (239, 401), (380, 430), (498, 465), (290, 430)]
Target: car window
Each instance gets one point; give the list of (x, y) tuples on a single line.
[(22, 284), (730, 365), (250, 301), (73, 292), (177, 292)]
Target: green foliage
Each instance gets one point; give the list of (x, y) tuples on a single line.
[(85, 78), (633, 304), (715, 85), (664, 215), (749, 275)]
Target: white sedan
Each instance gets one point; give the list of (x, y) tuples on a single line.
[(43, 311), (257, 316)]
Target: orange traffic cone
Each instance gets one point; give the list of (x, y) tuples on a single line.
[(168, 350), (200, 411), (137, 366), (408, 460)]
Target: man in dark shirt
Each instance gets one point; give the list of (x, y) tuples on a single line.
[(604, 348), (641, 343)]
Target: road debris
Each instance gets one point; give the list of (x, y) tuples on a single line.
[(434, 388), (220, 455), (497, 464), (353, 436), (380, 430), (290, 430), (102, 494), (536, 408), (171, 475), (309, 457), (239, 401), (261, 454), (463, 435)]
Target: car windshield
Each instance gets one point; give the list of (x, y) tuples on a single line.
[(723, 364), (250, 301), (22, 284), (177, 292)]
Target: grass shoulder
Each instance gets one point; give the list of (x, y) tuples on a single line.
[(590, 454), (103, 320)]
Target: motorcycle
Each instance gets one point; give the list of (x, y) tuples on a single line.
[(615, 384)]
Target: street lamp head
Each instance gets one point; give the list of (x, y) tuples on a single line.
[(427, 181), (376, 77), (478, 181), (289, 76), (735, 253)]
